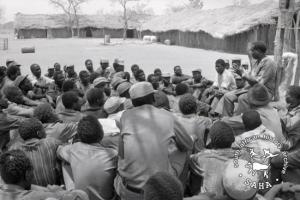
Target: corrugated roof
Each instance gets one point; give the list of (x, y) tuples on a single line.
[(218, 22)]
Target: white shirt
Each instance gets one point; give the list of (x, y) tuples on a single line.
[(225, 80)]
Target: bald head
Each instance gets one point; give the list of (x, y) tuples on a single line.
[(36, 70)]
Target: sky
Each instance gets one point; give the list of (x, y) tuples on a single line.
[(11, 7)]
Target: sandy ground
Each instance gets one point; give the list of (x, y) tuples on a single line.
[(147, 56)]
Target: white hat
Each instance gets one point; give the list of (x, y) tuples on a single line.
[(99, 80), (113, 103), (166, 75), (140, 89), (235, 177), (123, 87)]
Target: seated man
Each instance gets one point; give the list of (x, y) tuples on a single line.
[(291, 120), (40, 150), (67, 86), (54, 128), (163, 186), (71, 74), (16, 172), (213, 161), (28, 90), (95, 98), (167, 87), (89, 66), (254, 127), (83, 84), (263, 72), (72, 106), (140, 75), (40, 82), (7, 123), (178, 76), (16, 106), (198, 83), (161, 99), (259, 100), (93, 166), (223, 83)]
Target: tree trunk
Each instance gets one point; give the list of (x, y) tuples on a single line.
[(297, 39), (278, 54), (125, 23)]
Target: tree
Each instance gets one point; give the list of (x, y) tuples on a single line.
[(124, 5), (71, 9), (139, 14)]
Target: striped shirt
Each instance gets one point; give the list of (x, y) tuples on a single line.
[(42, 154)]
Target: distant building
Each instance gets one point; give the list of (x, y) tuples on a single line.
[(228, 29), (55, 26)]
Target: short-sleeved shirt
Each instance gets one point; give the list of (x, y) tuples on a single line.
[(93, 168), (42, 154)]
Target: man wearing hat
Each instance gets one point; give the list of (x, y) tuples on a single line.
[(146, 135), (167, 86), (259, 99), (198, 83), (123, 91), (103, 69), (71, 74)]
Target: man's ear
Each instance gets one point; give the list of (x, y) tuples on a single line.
[(41, 133)]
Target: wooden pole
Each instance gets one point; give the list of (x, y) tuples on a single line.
[(288, 24), (297, 40), (278, 53)]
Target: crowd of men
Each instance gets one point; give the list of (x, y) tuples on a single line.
[(107, 134)]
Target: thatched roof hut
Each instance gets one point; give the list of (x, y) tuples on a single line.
[(42, 21), (218, 23), (27, 23)]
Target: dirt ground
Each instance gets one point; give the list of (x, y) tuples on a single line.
[(147, 56)]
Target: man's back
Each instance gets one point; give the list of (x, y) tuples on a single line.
[(93, 168), (146, 133), (42, 154), (70, 116)]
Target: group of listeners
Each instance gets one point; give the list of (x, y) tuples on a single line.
[(107, 134)]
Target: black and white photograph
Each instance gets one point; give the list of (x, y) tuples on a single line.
[(149, 100)]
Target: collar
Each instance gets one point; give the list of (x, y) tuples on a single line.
[(188, 116), (11, 187), (70, 111), (93, 109), (32, 142), (295, 110)]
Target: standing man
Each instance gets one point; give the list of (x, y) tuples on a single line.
[(178, 76), (89, 66), (144, 146), (263, 72)]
